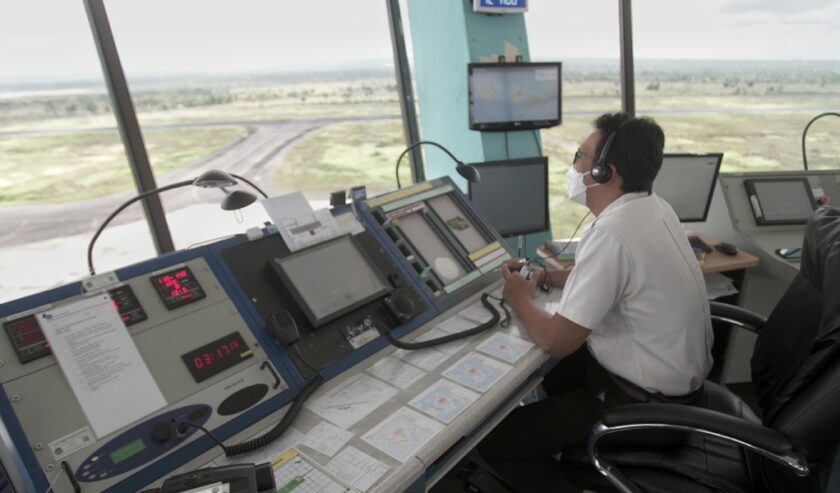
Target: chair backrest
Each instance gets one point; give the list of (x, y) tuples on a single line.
[(796, 362)]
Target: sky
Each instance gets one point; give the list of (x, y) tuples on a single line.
[(46, 39)]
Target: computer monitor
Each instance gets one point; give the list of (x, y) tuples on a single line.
[(331, 279), (514, 96), (513, 195), (780, 200), (687, 182)]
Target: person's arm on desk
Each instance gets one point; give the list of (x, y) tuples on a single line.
[(555, 334)]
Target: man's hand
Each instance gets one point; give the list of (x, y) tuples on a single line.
[(517, 289)]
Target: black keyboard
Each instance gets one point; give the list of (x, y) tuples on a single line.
[(699, 245)]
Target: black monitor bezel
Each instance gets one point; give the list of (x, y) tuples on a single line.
[(301, 302), (719, 156), (512, 163), (749, 185), (514, 125)]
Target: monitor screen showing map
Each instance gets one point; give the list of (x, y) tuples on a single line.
[(514, 96)]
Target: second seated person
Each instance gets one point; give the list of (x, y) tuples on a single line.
[(633, 323)]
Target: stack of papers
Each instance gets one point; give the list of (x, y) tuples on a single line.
[(718, 285)]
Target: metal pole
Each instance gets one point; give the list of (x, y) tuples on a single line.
[(405, 90), (129, 128), (628, 91)]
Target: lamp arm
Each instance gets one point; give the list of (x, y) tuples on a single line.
[(412, 146), (120, 209), (249, 183), (805, 132)]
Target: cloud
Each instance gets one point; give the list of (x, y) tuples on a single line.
[(776, 6)]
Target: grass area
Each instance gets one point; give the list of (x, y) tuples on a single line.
[(342, 155), (66, 167), (755, 121)]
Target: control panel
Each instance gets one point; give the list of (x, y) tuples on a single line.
[(205, 360), (448, 248), (334, 296)]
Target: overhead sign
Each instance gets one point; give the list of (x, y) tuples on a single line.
[(501, 6)]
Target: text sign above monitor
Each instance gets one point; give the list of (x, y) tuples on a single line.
[(687, 182), (501, 6), (513, 195), (514, 96)]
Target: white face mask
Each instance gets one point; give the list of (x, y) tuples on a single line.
[(577, 188)]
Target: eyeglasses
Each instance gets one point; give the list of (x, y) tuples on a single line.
[(579, 154)]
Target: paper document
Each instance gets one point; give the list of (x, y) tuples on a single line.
[(444, 400), (295, 472), (101, 363), (477, 371), (395, 371), (298, 224), (403, 433), (326, 438), (718, 285), (352, 400), (356, 468), (505, 347)]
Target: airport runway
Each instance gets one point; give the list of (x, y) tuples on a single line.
[(254, 156)]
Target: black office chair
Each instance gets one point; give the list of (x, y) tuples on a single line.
[(796, 375)]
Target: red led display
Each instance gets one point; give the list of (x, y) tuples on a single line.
[(177, 287), (217, 356), (27, 338)]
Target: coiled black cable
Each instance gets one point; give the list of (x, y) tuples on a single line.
[(386, 332), (269, 436)]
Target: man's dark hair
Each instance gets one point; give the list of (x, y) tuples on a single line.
[(636, 151)]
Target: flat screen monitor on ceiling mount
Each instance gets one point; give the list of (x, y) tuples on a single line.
[(514, 96)]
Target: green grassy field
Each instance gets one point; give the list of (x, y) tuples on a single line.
[(77, 166), (342, 155), (756, 122)]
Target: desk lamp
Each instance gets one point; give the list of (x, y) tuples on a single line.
[(468, 171), (236, 199)]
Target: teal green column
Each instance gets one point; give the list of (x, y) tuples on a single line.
[(446, 36)]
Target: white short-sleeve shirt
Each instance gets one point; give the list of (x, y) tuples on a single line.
[(638, 287)]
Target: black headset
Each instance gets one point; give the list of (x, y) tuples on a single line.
[(601, 171)]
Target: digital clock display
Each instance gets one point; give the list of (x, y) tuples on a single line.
[(217, 356), (27, 338), (177, 287), (127, 305)]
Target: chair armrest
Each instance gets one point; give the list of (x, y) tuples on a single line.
[(701, 419), (735, 315), (634, 417)]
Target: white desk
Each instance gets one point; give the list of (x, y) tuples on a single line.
[(431, 461)]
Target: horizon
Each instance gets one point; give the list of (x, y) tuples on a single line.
[(384, 66)]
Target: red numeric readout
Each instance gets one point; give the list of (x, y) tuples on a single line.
[(172, 283), (209, 357), (177, 287)]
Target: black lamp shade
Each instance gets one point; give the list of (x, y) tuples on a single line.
[(469, 172), (238, 199), (214, 179)]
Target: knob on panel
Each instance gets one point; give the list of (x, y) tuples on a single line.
[(162, 432)]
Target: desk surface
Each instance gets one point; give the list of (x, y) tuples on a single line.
[(715, 261), (368, 423)]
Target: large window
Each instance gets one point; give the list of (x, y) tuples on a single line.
[(742, 78), (62, 164), (585, 37), (292, 96)]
